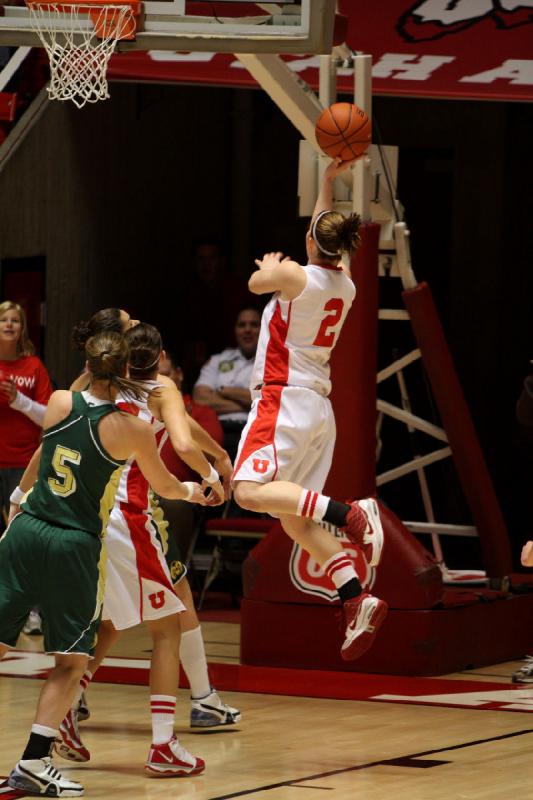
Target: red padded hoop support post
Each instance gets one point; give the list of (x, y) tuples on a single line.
[(462, 436), (353, 371)]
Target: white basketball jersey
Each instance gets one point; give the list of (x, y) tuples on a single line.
[(298, 336), (133, 487)]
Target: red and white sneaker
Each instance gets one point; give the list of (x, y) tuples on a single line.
[(364, 529), (364, 616), (70, 745), (173, 760)]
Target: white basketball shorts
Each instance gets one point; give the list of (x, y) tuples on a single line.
[(138, 583), (289, 436)]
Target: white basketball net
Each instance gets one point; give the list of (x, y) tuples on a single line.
[(78, 60)]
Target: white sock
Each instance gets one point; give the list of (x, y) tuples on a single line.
[(162, 707), (84, 682), (44, 730), (312, 505), (192, 657), (339, 569)]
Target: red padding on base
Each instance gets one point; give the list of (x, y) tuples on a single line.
[(459, 427), (430, 642), (407, 577), (353, 372)]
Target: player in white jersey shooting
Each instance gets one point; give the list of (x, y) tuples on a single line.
[(286, 448)]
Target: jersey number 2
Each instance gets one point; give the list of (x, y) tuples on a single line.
[(325, 337), (65, 483)]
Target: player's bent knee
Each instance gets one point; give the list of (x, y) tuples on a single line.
[(72, 666), (246, 495)]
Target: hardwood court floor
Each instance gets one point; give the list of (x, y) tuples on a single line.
[(288, 748)]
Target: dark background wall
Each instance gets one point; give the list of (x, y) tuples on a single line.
[(113, 195)]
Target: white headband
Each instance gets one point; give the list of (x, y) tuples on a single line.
[(313, 234), (143, 369)]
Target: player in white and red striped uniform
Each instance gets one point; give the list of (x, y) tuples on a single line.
[(138, 583), (287, 445), (207, 707)]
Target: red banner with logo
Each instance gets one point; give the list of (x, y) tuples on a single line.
[(478, 49)]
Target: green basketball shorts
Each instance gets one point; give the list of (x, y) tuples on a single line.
[(59, 570)]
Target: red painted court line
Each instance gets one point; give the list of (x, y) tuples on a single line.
[(483, 695), (7, 793)]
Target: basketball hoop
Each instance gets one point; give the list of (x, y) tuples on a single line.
[(79, 38)]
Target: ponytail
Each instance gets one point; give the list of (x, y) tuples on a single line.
[(335, 234), (145, 345), (104, 321), (107, 360)]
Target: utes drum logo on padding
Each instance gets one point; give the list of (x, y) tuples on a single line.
[(261, 465), (308, 577), (428, 20)]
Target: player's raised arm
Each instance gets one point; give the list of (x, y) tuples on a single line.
[(205, 442), (324, 201), (155, 472), (173, 414), (277, 273)]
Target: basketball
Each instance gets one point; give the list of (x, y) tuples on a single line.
[(343, 131)]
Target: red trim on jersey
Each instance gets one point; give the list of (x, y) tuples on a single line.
[(137, 487), (276, 375), (146, 555), (130, 407), (327, 266), (263, 428), (277, 354)]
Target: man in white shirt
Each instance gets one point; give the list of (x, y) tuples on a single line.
[(224, 381)]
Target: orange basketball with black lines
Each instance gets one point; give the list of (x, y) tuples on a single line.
[(343, 131)]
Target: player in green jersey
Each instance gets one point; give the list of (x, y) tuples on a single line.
[(53, 550)]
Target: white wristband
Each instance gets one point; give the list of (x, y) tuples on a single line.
[(16, 496), (213, 476), (189, 485)]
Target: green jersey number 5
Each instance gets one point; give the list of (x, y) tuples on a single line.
[(65, 483)]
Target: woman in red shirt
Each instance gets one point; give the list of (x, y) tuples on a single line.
[(24, 393)]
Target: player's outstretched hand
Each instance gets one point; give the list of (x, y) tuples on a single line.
[(271, 260), (215, 496), (197, 495), (527, 555), (337, 166), (224, 467)]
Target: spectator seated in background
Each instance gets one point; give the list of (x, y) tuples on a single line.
[(209, 304), (224, 382)]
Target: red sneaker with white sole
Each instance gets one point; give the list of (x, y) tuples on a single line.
[(364, 616), (173, 760), (70, 745), (364, 529)]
